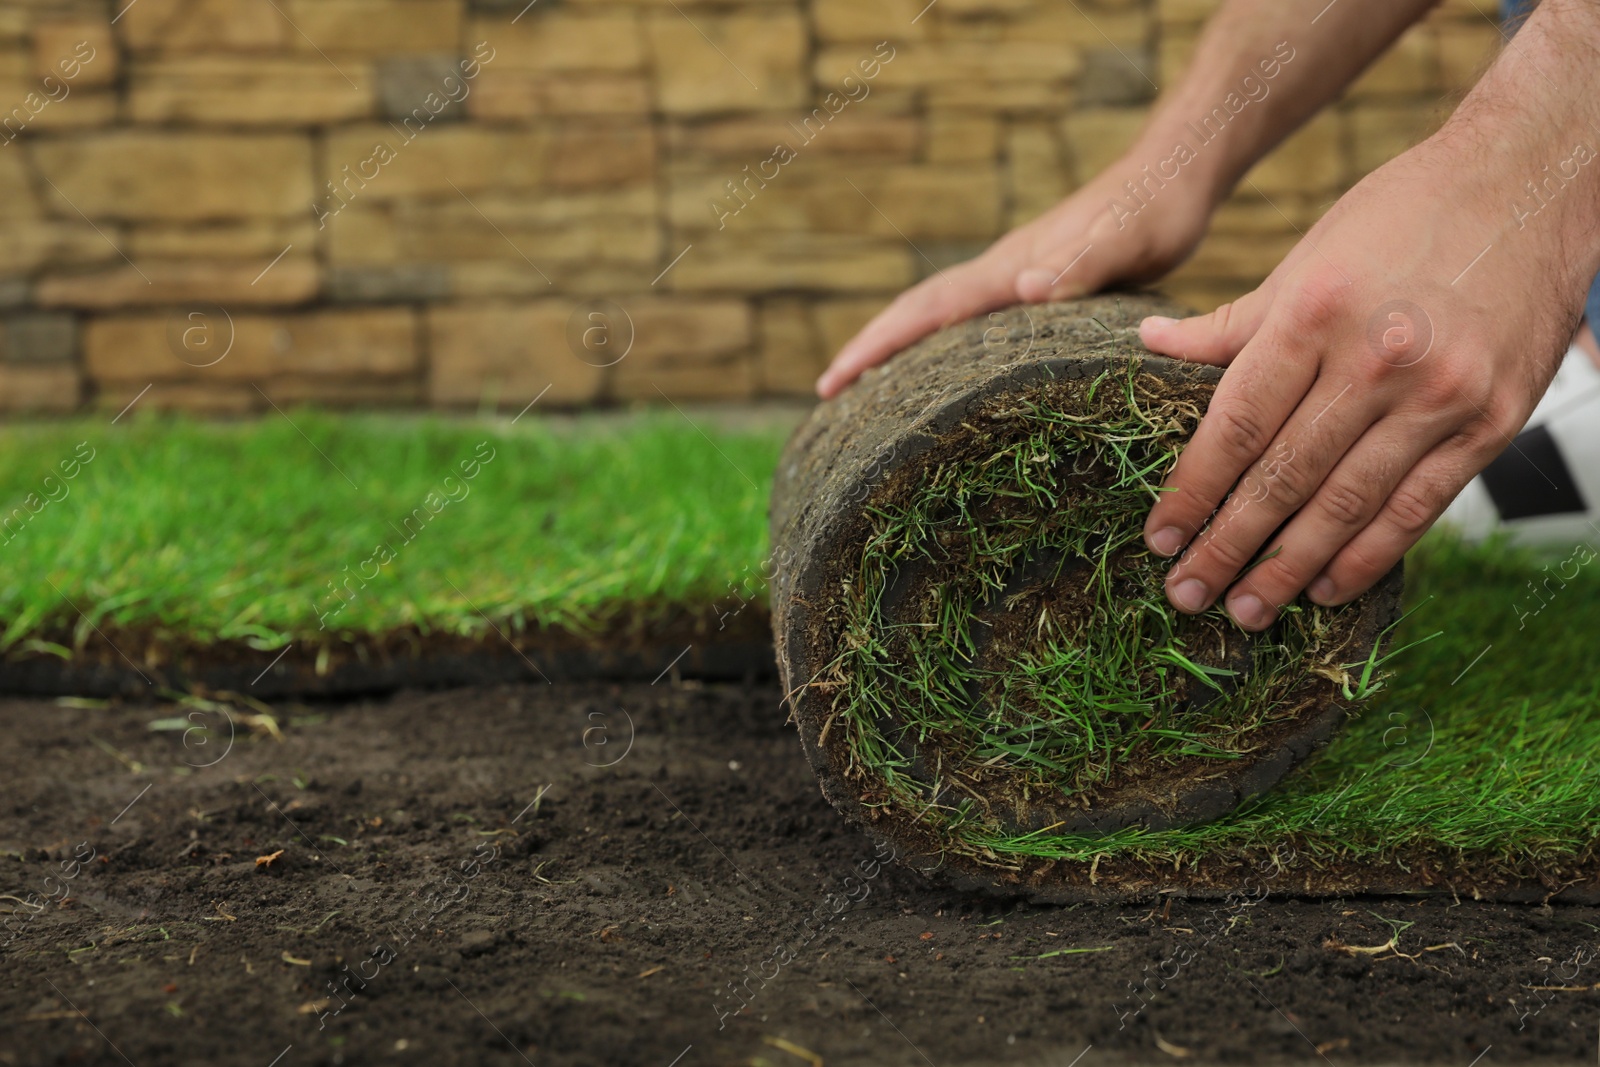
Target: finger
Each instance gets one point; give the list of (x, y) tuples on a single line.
[(1287, 475), (1036, 285), (1215, 338), (958, 293), (1250, 406), (1072, 268), (1411, 508), (1346, 502)]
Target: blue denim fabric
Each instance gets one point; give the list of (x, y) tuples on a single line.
[(1512, 15)]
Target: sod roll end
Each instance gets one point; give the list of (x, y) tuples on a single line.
[(973, 638)]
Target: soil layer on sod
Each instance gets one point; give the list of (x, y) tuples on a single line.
[(456, 878), (976, 643)]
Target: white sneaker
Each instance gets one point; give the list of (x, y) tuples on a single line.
[(1545, 488)]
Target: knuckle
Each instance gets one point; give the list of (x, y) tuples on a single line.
[(1344, 504), (1454, 384), (1240, 429), (1223, 553), (1320, 304), (1275, 580), (1222, 318), (1289, 482), (1356, 569), (1412, 509)]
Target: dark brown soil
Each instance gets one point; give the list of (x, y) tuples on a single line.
[(604, 924)]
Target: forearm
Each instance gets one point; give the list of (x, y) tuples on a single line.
[(1533, 124), (1261, 68)]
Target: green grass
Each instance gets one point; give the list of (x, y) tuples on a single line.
[(259, 530), (233, 530)]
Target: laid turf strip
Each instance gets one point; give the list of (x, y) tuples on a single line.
[(337, 525), (1478, 758)]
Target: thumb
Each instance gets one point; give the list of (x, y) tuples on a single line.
[(1215, 338)]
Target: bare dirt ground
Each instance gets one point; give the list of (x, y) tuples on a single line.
[(619, 875)]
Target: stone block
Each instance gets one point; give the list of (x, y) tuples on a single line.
[(505, 355), (1247, 257), (1071, 26), (547, 233), (749, 139), (39, 388), (1038, 173), (952, 65), (79, 52), (363, 392), (247, 90), (196, 342), (1116, 77), (179, 176), (1098, 137), (1409, 68), (30, 245), (762, 262), (376, 163), (1310, 160), (1173, 53), (40, 337), (962, 137), (789, 354), (83, 109), (706, 62), (686, 349), (203, 26), (387, 284), (249, 238), (563, 40), (1465, 51), (372, 27), (1190, 12), (292, 280), (510, 94), (839, 320), (405, 84), (891, 201), (867, 22), (1380, 132), (199, 398)]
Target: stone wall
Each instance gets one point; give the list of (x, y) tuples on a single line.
[(462, 203)]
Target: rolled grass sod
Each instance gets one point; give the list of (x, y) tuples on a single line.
[(976, 643)]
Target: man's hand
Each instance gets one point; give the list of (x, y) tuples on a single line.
[(1388, 359), (1076, 248)]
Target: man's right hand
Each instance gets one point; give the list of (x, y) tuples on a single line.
[(1078, 247)]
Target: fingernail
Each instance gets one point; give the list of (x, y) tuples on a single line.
[(1322, 591), (1249, 611), (1166, 541), (1157, 321), (1190, 595)]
